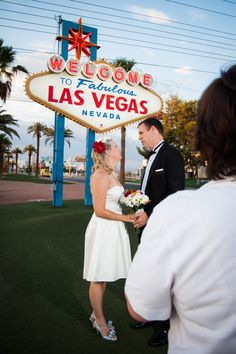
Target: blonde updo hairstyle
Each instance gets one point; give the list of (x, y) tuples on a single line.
[(99, 159)]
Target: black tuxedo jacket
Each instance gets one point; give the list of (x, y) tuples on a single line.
[(166, 176)]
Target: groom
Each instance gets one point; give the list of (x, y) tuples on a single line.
[(164, 175)]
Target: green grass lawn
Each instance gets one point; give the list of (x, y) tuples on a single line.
[(44, 300), (190, 183)]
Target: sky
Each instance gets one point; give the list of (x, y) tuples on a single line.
[(183, 44)]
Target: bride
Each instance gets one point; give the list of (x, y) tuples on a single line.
[(107, 255)]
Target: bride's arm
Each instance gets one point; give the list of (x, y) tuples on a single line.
[(99, 186)]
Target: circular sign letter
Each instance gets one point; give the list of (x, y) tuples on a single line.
[(104, 72), (73, 66), (119, 75), (89, 69), (56, 63)]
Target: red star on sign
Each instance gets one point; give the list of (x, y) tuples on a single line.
[(78, 41)]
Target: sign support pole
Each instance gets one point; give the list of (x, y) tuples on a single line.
[(58, 149), (90, 137), (58, 160)]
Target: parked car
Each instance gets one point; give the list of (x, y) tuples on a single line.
[(45, 172)]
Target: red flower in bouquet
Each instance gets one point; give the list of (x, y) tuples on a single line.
[(99, 147), (127, 193)]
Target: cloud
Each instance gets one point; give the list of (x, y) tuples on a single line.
[(34, 62), (198, 14), (149, 53), (156, 16), (185, 70)]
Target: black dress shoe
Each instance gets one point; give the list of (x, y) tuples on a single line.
[(138, 325), (158, 339)]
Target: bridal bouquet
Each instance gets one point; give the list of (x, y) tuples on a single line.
[(135, 199)]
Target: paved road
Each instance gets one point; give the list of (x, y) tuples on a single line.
[(24, 192), (128, 185)]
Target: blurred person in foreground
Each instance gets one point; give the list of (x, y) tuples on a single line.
[(190, 268)]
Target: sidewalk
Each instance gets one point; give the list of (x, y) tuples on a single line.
[(25, 192)]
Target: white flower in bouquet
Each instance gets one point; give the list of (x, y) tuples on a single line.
[(135, 199)]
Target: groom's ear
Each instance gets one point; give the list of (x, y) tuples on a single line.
[(153, 129)]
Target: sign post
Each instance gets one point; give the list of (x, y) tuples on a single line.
[(58, 161), (58, 147), (90, 137)]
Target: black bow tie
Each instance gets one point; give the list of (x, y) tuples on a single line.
[(152, 152), (155, 150)]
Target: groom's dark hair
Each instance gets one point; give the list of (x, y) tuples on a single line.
[(153, 122)]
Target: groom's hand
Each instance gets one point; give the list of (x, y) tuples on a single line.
[(140, 219)]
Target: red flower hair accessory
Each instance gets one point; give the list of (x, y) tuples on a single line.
[(99, 147)]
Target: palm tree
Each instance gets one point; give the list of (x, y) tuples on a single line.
[(5, 144), (37, 129), (29, 149), (8, 155), (144, 152), (49, 132), (17, 151), (12, 164), (5, 121), (7, 70), (127, 65)]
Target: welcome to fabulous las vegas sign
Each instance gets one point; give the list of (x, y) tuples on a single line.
[(94, 94)]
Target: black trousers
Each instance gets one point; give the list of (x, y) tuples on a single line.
[(160, 326), (156, 325)]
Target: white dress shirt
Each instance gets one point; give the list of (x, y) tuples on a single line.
[(149, 165), (188, 249)]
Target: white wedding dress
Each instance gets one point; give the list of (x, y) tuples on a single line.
[(107, 255)]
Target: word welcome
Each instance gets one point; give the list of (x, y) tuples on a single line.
[(89, 69)]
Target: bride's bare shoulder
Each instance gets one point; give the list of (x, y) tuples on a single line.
[(99, 175)]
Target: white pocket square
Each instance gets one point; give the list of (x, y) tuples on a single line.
[(159, 170)]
